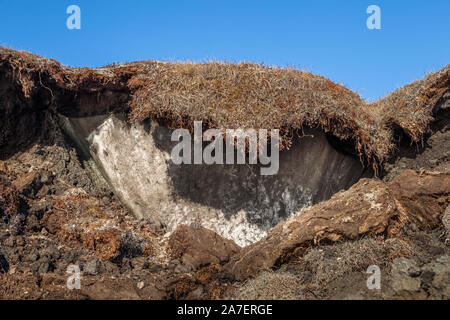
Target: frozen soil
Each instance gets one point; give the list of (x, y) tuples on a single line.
[(67, 217), (415, 265)]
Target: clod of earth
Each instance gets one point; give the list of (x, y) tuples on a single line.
[(196, 247), (369, 208)]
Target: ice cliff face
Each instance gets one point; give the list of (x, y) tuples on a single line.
[(233, 200)]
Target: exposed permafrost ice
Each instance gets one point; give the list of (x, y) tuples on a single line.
[(233, 200)]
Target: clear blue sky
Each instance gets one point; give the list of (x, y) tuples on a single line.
[(329, 38)]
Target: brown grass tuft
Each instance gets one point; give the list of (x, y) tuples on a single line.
[(237, 96)]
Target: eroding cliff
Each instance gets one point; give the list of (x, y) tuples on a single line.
[(86, 178)]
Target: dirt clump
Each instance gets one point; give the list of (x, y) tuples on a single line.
[(197, 247)]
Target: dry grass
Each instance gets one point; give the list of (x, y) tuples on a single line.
[(241, 96), (322, 268), (411, 108), (253, 96)]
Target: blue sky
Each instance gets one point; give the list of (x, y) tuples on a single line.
[(327, 37)]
